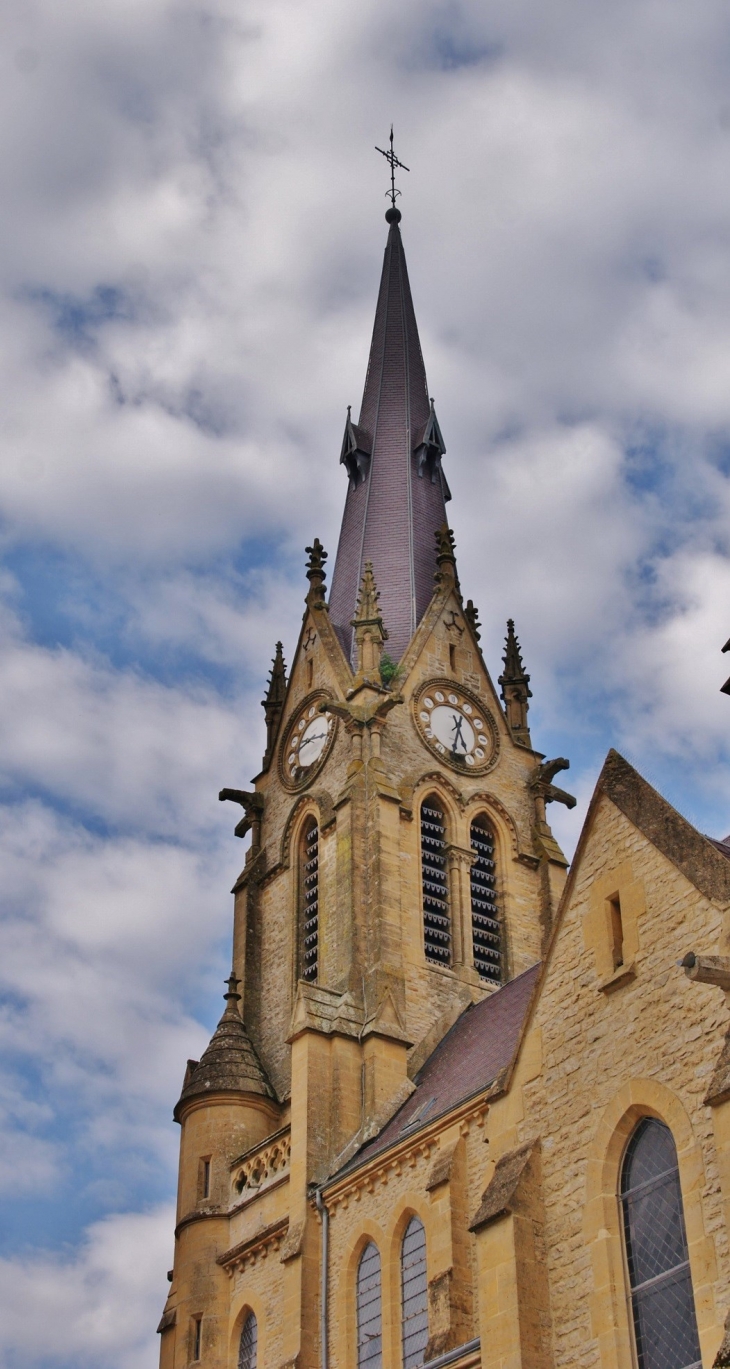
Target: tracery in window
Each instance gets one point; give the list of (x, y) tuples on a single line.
[(309, 902), (414, 1289), (486, 933), (436, 920), (665, 1324), (249, 1343), (369, 1310)]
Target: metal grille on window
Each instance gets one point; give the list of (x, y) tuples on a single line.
[(415, 1294), (369, 1313), (310, 901), (249, 1343), (663, 1307), (485, 929), (436, 922)]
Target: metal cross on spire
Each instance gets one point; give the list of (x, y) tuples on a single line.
[(393, 162)]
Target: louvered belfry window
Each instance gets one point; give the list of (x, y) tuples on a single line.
[(369, 1310), (249, 1343), (310, 902), (665, 1325), (415, 1294), (486, 935), (436, 921)]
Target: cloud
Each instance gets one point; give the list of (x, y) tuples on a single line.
[(98, 1305), (190, 245)]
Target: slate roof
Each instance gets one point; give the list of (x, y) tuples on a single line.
[(481, 1044), (391, 517), (229, 1063)]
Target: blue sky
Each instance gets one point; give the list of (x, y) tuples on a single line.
[(191, 234)]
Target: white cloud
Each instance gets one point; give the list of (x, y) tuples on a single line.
[(98, 1305), (190, 242)]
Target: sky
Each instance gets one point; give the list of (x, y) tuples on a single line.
[(191, 237)]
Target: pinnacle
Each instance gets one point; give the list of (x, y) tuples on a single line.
[(514, 669), (367, 600), (277, 679)]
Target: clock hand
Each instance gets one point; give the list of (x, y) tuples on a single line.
[(458, 735), (315, 737)]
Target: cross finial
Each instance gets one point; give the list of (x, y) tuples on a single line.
[(393, 162), (233, 982)]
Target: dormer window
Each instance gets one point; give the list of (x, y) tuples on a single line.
[(429, 447), (356, 451)]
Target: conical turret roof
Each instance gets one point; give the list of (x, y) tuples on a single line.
[(229, 1064), (397, 491)]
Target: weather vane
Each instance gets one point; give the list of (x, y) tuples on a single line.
[(393, 162)]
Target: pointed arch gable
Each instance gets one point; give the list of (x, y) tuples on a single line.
[(500, 816), (321, 804), (247, 1301)]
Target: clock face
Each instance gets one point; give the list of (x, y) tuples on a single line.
[(456, 726), (306, 743)]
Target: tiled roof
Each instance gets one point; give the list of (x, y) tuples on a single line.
[(478, 1047), (391, 516)]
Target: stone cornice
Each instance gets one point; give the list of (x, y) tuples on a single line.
[(248, 1251), (419, 1144)]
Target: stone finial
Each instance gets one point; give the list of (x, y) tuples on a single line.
[(370, 633), (471, 613), (316, 573), (515, 685), (233, 996), (274, 701)]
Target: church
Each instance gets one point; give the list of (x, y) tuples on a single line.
[(466, 1105)]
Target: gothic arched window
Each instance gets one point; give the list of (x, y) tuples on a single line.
[(414, 1293), (665, 1324), (436, 921), (249, 1343), (309, 902), (369, 1310), (486, 936)]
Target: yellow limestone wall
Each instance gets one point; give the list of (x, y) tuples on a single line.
[(542, 1284)]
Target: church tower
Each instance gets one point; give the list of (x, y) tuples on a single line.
[(401, 873)]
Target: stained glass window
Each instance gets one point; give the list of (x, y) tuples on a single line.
[(369, 1310), (663, 1307), (249, 1343), (414, 1293)]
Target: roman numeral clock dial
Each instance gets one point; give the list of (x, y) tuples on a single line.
[(456, 726), (306, 743)]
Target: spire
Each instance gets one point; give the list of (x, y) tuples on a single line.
[(516, 690), (274, 701), (368, 624), (396, 495), (229, 1064)]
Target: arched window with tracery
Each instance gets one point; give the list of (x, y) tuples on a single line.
[(249, 1343), (369, 1310), (434, 880), (414, 1291), (665, 1324), (486, 933), (309, 901)]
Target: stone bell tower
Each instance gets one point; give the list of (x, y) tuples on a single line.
[(400, 870)]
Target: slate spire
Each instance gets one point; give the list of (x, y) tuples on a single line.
[(397, 491)]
